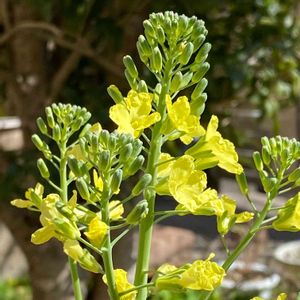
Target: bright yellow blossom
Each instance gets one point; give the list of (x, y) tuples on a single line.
[(288, 218), (73, 249), (134, 114), (213, 148), (97, 231), (187, 124), (200, 275), (122, 284), (116, 210), (281, 296)]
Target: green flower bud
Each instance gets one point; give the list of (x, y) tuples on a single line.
[(74, 166), (112, 142), (265, 142), (176, 82), (257, 161), (84, 130), (200, 87), (144, 181), (160, 35), (130, 66), (203, 52), (42, 125), (77, 124), (104, 137), (156, 60), (186, 53), (143, 47), (56, 133), (183, 23), (67, 229), (49, 116), (142, 87), (125, 153), (65, 210), (138, 213), (149, 30), (273, 145), (266, 155), (94, 142), (131, 81), (295, 175), (136, 165), (201, 72), (198, 105), (44, 171), (104, 160), (186, 78), (137, 148), (278, 143), (116, 180), (82, 188), (38, 142), (55, 109), (35, 198), (241, 179), (198, 42), (115, 94), (269, 183)]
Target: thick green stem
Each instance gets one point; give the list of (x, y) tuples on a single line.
[(64, 197), (146, 225)]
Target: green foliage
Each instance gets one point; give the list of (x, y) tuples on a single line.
[(17, 289)]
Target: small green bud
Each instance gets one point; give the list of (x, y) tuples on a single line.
[(241, 179), (116, 180), (273, 145), (42, 125), (130, 66), (160, 35), (149, 29), (77, 124), (183, 23), (201, 72), (266, 155), (94, 142), (104, 160), (202, 53), (35, 198), (104, 137), (156, 60), (84, 130), (44, 171), (56, 133), (142, 87), (115, 94), (112, 142), (82, 188), (186, 78), (67, 229), (137, 148), (278, 143), (136, 165), (269, 183), (176, 82), (131, 81), (144, 181), (38, 142), (49, 116), (295, 175), (258, 161), (125, 153), (55, 109), (186, 53), (200, 87), (74, 166), (138, 213), (198, 105), (143, 46)]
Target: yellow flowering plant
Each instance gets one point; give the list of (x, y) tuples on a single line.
[(94, 164)]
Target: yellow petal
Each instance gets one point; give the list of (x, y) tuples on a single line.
[(116, 210), (120, 115), (21, 203), (42, 235), (97, 231)]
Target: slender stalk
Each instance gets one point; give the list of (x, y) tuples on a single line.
[(107, 248), (146, 225), (64, 197)]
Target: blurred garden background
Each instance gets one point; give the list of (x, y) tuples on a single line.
[(71, 51)]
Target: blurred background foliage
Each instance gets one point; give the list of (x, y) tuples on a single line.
[(71, 51)]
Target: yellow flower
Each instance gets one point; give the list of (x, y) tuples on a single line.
[(288, 218), (31, 200), (182, 120), (97, 231), (165, 164), (55, 224), (122, 284), (187, 186), (215, 149), (98, 182), (73, 249), (203, 275), (200, 275), (281, 296), (134, 114), (228, 217), (116, 210)]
